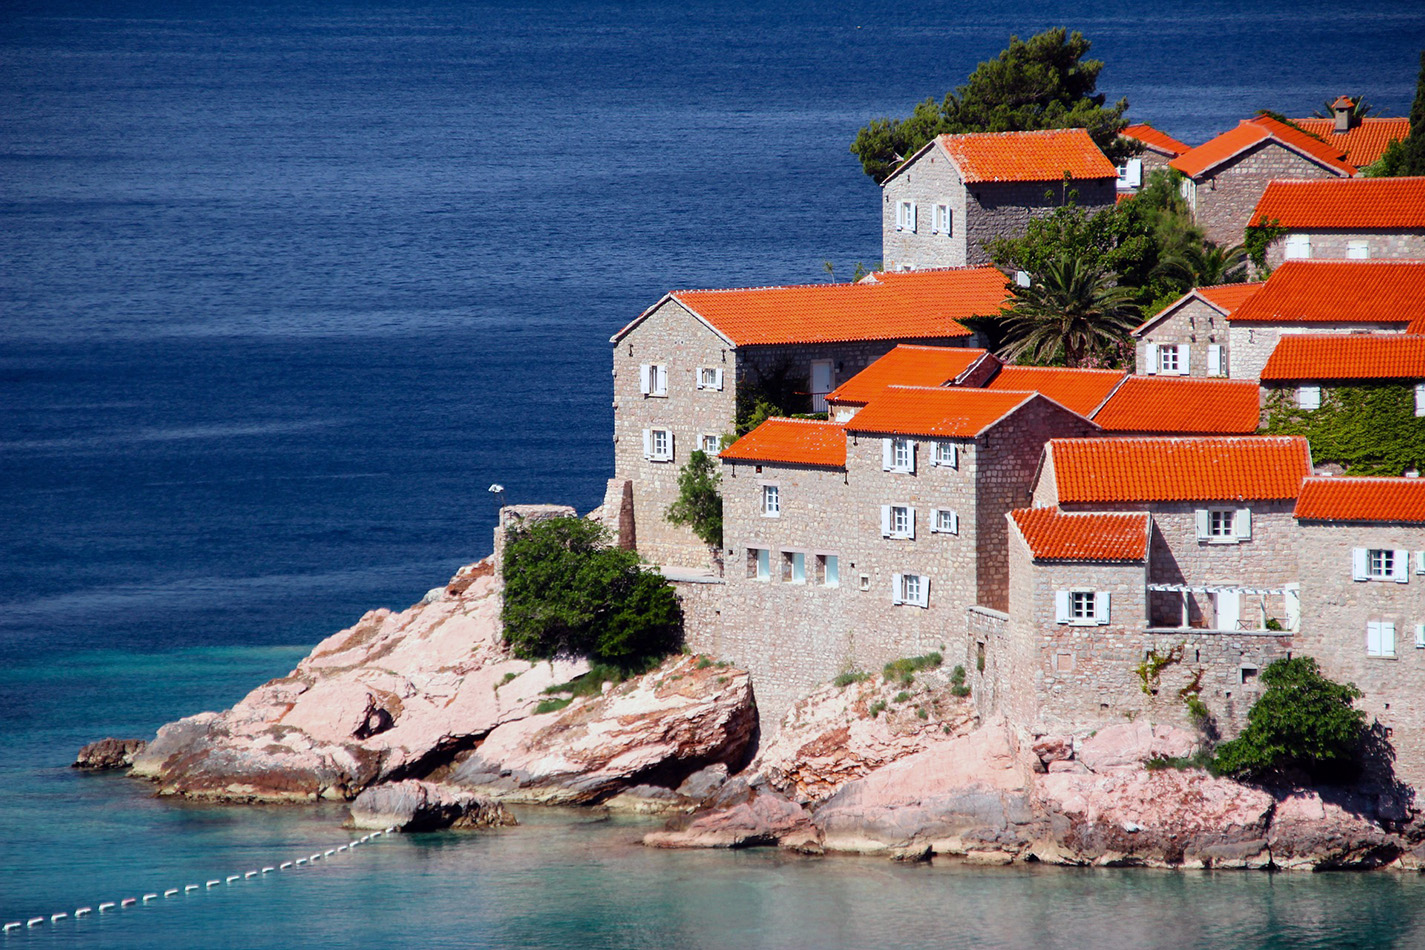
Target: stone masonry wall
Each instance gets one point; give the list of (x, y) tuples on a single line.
[(1004, 209), (1335, 611), (1227, 196), (930, 181), (1251, 345), (1333, 245), (1195, 325)]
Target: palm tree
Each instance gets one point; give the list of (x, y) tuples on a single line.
[(1204, 264), (1073, 308), (1360, 108)]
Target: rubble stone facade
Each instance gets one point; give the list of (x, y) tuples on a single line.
[(1336, 244), (1194, 326), (1223, 198)]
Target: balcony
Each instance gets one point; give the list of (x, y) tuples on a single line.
[(1234, 609)]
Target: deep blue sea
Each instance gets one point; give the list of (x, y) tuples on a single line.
[(285, 287)]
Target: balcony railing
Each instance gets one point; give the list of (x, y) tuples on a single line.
[(1235, 608)]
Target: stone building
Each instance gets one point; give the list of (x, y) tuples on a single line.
[(1363, 590), (858, 543), (1159, 148), (1344, 218), (1304, 368), (1362, 140), (1226, 175), (959, 191), (685, 367), (1180, 405), (1325, 297), (1189, 336)]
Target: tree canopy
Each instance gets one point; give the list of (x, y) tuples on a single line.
[(1040, 83), (699, 503), (1071, 311), (1407, 157)]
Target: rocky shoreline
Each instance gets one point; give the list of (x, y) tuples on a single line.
[(422, 719)]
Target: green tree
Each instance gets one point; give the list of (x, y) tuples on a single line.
[(1071, 310), (699, 503), (1040, 83), (1407, 157), (1302, 720), (567, 592)]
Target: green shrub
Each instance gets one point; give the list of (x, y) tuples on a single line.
[(1302, 720), (699, 503), (850, 676), (901, 697), (1201, 759), (568, 593), (958, 687), (878, 707), (552, 705), (905, 669)]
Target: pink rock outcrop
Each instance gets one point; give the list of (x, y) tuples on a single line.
[(1128, 745), (743, 815), (413, 805), (1310, 833)]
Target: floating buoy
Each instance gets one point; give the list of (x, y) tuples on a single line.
[(149, 897), (339, 850), (330, 852), (105, 906), (250, 874), (170, 892), (268, 870), (83, 911), (12, 926), (189, 887), (59, 916), (301, 860), (34, 921), (128, 902), (284, 865)]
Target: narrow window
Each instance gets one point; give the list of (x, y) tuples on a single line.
[(1358, 250), (796, 567), (1380, 638), (945, 453), (829, 570), (707, 378), (1168, 360), (946, 522), (771, 501), (661, 445), (711, 444), (1081, 607), (900, 455), (910, 588), (900, 521)]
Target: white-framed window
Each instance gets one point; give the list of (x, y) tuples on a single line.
[(898, 455), (1224, 525), (1172, 359), (905, 215), (759, 564), (710, 377), (1081, 608), (912, 589), (653, 379), (940, 220), (1130, 174), (945, 453), (828, 570), (1380, 564), (1380, 638), (1298, 247), (1419, 400), (771, 501), (944, 521), (1215, 365), (794, 567), (1308, 397), (711, 444), (897, 521), (658, 445), (1357, 250)]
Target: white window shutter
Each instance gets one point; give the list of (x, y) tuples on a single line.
[(1401, 567), (1214, 359), (896, 588), (954, 456), (1420, 399), (935, 521), (910, 453), (648, 443), (1202, 517), (885, 521), (718, 372), (1373, 644), (1243, 524), (1152, 352), (924, 599), (886, 456), (1309, 397), (661, 386), (1100, 607), (1061, 606), (911, 521), (1420, 562), (954, 522), (912, 216), (1387, 638), (645, 385), (671, 453), (1420, 636), (1358, 564), (1184, 361)]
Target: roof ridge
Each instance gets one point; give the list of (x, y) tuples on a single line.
[(829, 284)]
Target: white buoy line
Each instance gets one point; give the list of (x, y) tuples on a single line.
[(17, 926)]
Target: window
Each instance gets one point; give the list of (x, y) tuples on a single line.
[(1298, 247), (794, 567), (1358, 250), (1221, 524), (1214, 360), (658, 445), (771, 501), (1224, 525), (1380, 564), (940, 223), (1308, 397), (944, 521), (912, 589), (759, 564), (1169, 360), (1419, 399), (711, 444), (1081, 608), (1420, 562), (897, 521), (945, 453), (710, 377), (1380, 638), (905, 215), (898, 455), (1130, 174), (828, 570), (653, 379), (1420, 636)]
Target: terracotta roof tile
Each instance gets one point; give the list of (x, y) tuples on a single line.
[(1081, 390), (1182, 404), (906, 365), (791, 441), (1156, 140), (1364, 144), (1346, 356), (1355, 203), (1228, 297), (1179, 469), (1027, 156), (1340, 292), (929, 411), (1362, 499), (1248, 133), (1053, 535), (926, 304)]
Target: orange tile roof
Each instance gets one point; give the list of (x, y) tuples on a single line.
[(906, 365), (1156, 140), (1226, 298), (1054, 535), (791, 441), (1182, 404), (1081, 390), (1380, 291), (1248, 133), (1346, 356), (1179, 469), (1364, 144), (925, 304), (1045, 155), (1355, 203), (1362, 499), (933, 411)]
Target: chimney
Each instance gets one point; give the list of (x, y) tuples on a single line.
[(1344, 108)]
